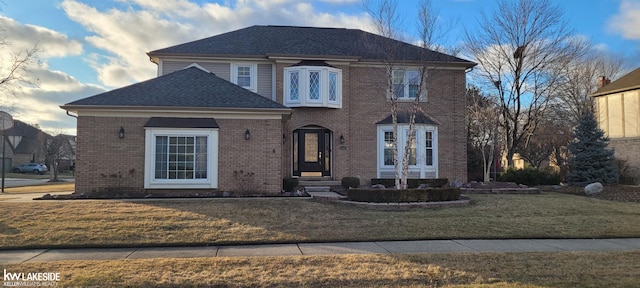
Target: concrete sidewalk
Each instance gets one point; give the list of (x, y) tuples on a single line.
[(378, 247)]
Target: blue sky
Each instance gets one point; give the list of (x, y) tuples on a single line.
[(90, 46)]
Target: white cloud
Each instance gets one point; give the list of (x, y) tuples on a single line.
[(627, 21), (21, 37), (127, 34), (40, 105)]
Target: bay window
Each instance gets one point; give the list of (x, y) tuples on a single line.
[(422, 152), (312, 86)]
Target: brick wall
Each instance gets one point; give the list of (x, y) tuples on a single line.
[(364, 104), (446, 103), (261, 154), (629, 150), (105, 161)]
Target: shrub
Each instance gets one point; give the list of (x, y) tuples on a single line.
[(625, 172), (403, 195), (412, 183), (289, 183), (530, 177), (350, 182)]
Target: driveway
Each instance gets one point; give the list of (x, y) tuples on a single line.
[(26, 197)]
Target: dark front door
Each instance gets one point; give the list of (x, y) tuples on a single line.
[(312, 152)]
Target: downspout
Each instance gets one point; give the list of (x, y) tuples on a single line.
[(74, 116)]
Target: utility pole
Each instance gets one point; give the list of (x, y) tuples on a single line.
[(6, 122)]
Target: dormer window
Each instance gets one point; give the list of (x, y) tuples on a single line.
[(313, 86)]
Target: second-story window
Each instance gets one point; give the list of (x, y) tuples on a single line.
[(244, 75), (406, 83), (313, 86)]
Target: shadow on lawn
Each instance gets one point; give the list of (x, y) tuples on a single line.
[(7, 230), (258, 221)]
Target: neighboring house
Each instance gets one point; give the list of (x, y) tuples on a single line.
[(24, 144), (618, 114), (275, 101)]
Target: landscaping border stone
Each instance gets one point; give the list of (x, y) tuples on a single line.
[(463, 202)]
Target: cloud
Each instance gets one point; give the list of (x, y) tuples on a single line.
[(50, 43), (40, 105), (627, 21), (126, 34)]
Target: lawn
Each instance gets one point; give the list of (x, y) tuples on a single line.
[(489, 270), (244, 221)]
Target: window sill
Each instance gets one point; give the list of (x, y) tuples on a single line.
[(180, 185)]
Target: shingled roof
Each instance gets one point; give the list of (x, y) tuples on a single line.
[(306, 42), (627, 82), (404, 117), (190, 87)]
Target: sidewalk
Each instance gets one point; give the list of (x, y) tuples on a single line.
[(377, 247)]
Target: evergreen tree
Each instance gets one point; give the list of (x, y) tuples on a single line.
[(590, 160)]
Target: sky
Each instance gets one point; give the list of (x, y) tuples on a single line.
[(87, 47)]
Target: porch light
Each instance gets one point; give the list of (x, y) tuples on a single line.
[(121, 132), (247, 135), (284, 138), (341, 139)]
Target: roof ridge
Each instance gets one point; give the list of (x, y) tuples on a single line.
[(310, 27)]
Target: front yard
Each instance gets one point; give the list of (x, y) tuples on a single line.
[(227, 221), (244, 221), (489, 270)]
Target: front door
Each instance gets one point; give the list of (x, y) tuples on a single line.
[(312, 153)]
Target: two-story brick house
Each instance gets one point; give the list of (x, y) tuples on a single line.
[(276, 101), (618, 114)]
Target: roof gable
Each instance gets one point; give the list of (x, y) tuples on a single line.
[(627, 82), (190, 87), (267, 41)]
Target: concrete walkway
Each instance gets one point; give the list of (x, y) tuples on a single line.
[(378, 247)]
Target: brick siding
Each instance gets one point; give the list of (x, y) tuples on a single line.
[(104, 161), (628, 150)]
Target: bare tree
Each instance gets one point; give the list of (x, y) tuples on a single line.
[(483, 116), (521, 50), (14, 66), (56, 148), (580, 81), (388, 24)]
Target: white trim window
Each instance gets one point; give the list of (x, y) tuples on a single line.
[(423, 162), (245, 75), (312, 86), (406, 83), (181, 158)]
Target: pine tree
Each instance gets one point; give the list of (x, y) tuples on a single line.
[(590, 161)]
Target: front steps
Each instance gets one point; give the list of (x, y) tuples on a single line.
[(321, 190)]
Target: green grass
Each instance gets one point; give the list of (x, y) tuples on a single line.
[(490, 270), (246, 221)]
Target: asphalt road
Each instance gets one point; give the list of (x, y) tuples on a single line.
[(17, 182)]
